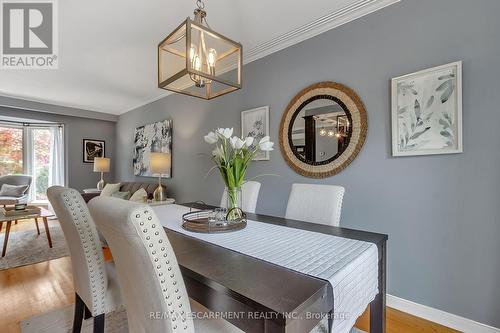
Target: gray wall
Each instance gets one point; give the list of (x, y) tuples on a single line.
[(79, 174), (442, 213)]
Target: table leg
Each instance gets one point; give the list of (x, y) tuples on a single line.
[(330, 321), (46, 224), (377, 306), (36, 223), (6, 239)]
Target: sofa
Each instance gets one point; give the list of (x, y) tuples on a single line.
[(15, 180), (128, 187)]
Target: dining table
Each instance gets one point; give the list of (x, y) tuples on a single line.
[(259, 296)]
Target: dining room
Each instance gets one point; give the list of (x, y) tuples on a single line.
[(229, 166)]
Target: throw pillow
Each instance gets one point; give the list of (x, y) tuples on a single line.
[(13, 190), (139, 195), (109, 189), (121, 195)]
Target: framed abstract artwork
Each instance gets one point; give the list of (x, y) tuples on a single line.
[(427, 112), (92, 149), (151, 138), (255, 122)]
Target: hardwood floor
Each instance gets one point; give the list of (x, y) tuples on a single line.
[(34, 289), (401, 322)]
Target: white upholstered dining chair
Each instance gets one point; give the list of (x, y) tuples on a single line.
[(249, 196), (97, 291), (315, 203), (148, 271)]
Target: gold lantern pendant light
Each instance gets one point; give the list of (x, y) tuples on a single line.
[(197, 61)]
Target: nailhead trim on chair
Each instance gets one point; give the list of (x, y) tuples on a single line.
[(92, 247), (163, 260)]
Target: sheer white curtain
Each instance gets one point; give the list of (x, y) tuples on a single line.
[(56, 162)]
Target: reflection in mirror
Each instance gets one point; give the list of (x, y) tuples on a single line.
[(320, 131)]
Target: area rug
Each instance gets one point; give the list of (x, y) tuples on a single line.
[(61, 321), (27, 247)]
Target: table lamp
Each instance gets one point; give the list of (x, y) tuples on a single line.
[(160, 164), (101, 164)]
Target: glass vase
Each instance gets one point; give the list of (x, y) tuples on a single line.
[(233, 203)]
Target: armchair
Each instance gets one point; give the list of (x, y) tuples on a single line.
[(15, 180)]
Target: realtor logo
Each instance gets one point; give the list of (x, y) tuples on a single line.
[(29, 34)]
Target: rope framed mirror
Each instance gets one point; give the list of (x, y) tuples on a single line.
[(323, 129)]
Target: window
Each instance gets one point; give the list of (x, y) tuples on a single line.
[(36, 150), (11, 150), (41, 163)]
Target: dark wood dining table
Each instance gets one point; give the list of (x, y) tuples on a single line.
[(258, 296)]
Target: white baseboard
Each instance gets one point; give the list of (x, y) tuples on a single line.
[(438, 316)]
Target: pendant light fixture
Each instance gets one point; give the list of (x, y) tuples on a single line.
[(197, 61)]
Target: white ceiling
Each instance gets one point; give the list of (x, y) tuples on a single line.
[(107, 49)]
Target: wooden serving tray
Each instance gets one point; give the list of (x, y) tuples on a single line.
[(10, 211), (198, 222)]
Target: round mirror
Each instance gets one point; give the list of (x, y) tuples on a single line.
[(320, 130), (323, 129)]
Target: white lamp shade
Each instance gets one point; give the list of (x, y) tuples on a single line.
[(101, 164), (160, 163)]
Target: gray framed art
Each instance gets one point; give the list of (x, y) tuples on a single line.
[(151, 138), (255, 123), (427, 112)]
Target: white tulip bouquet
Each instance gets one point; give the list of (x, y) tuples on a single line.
[(231, 156)]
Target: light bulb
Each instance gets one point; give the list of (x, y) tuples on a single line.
[(197, 63), (331, 133), (322, 132), (192, 53), (211, 57), (338, 135)]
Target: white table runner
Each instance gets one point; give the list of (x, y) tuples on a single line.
[(351, 266)]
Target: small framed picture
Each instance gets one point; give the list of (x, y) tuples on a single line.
[(93, 149), (255, 123), (427, 112)]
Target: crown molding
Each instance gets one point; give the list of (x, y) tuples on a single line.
[(332, 20), (148, 101), (46, 106)]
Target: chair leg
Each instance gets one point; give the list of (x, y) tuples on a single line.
[(78, 318), (99, 323), (1, 225), (88, 314)]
